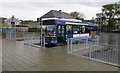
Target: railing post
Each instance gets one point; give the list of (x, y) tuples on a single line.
[(29, 39), (41, 41), (86, 42), (9, 37), (97, 40), (68, 46), (24, 38), (32, 41), (41, 30), (44, 43), (71, 45), (90, 53), (116, 48)]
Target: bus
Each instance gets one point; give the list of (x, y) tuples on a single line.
[(58, 31)]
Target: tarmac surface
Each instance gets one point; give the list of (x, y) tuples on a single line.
[(19, 57)]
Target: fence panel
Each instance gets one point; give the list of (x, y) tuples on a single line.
[(33, 39), (76, 44), (10, 36), (93, 49)]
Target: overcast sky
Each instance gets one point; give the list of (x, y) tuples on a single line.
[(32, 9)]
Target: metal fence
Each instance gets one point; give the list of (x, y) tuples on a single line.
[(33, 39), (13, 34), (10, 36), (94, 50)]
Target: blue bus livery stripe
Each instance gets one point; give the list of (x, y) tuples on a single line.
[(64, 22)]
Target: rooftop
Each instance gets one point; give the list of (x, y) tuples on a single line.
[(57, 14)]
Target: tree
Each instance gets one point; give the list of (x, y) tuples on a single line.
[(77, 15), (28, 21), (109, 12)]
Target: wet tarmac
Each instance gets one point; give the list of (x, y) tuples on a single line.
[(19, 57)]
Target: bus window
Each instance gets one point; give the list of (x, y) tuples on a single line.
[(93, 28), (48, 30), (80, 29), (83, 29), (62, 29), (59, 30), (87, 29), (75, 29), (61, 35), (51, 30), (69, 29), (44, 28)]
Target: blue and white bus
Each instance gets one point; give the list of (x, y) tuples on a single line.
[(58, 31)]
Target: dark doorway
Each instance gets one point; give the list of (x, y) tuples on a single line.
[(61, 35)]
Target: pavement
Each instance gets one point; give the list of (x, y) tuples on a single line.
[(19, 57), (0, 55)]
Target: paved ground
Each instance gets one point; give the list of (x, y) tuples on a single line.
[(103, 52), (19, 57), (0, 55)]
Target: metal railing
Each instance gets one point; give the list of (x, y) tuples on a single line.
[(10, 36), (81, 44), (34, 40), (94, 50)]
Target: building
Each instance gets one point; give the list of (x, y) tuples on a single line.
[(57, 14), (31, 25), (21, 28), (15, 23), (2, 21), (12, 21)]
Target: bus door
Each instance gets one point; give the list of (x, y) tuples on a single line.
[(61, 34)]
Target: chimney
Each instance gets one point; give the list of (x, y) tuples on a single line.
[(60, 11)]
